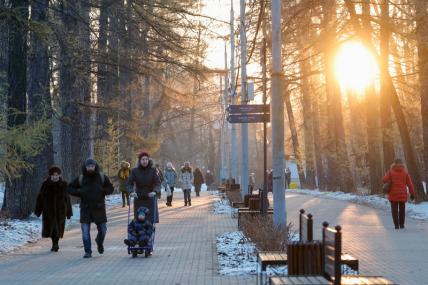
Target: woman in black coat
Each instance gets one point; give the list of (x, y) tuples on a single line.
[(54, 203)]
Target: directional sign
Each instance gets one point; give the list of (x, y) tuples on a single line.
[(248, 118), (238, 109)]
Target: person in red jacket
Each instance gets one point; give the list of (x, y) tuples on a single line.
[(397, 196)]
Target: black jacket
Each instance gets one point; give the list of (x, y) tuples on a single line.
[(92, 193), (145, 180), (54, 203)]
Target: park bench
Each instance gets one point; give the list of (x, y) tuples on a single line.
[(331, 266), (307, 249)]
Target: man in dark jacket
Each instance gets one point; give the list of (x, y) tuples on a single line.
[(92, 186), (198, 180), (144, 185)]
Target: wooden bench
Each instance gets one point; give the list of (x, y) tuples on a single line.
[(331, 263), (273, 258), (237, 204)]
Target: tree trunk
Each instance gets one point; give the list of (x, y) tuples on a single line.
[(372, 103), (422, 41), (18, 199), (385, 97), (318, 146), (295, 139), (39, 99), (339, 176)]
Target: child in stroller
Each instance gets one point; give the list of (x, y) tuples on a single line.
[(140, 232)]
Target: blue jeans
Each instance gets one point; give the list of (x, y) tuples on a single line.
[(86, 235)]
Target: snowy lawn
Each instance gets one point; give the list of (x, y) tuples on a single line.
[(222, 206), (416, 211), (16, 233)]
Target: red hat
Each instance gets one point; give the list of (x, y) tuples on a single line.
[(143, 153)]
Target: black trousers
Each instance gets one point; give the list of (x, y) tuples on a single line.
[(398, 211), (169, 198), (125, 195)]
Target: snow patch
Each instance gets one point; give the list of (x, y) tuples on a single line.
[(222, 206), (236, 254)]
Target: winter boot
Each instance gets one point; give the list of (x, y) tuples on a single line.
[(100, 247), (190, 202), (87, 255)]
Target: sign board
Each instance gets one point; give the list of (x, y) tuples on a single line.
[(239, 109), (248, 118)]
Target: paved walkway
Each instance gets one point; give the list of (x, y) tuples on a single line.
[(184, 253), (185, 247)]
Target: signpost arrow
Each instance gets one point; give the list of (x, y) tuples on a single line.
[(259, 108), (248, 118)]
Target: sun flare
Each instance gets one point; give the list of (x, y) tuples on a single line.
[(355, 67)]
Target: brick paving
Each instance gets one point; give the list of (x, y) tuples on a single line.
[(184, 252), (185, 247)]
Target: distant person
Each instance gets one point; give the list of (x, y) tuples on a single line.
[(198, 180), (270, 180), (252, 182), (186, 181), (209, 180), (54, 203), (171, 178), (399, 179), (91, 187), (161, 178), (123, 175), (287, 178)]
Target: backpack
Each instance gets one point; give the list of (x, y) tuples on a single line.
[(101, 176)]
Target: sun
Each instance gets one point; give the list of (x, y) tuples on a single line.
[(355, 67)]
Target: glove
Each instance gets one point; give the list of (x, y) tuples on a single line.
[(151, 194), (68, 217), (133, 195), (412, 197), (37, 215)]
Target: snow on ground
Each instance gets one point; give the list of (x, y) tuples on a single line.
[(222, 206), (416, 211), (1, 193), (236, 255), (16, 233)]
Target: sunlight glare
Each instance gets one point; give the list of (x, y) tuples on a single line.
[(355, 67)]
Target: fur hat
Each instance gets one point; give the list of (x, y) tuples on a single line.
[(125, 164), (143, 153), (53, 169)]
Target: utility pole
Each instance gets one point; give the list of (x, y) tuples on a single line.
[(233, 158), (226, 123), (279, 217), (244, 100), (264, 197)]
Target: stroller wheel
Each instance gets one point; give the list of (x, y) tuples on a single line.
[(134, 254), (146, 253)]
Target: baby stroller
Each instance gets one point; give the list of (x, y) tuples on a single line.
[(147, 249)]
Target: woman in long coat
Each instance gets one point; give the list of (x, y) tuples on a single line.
[(400, 180), (144, 183), (54, 203), (198, 180), (123, 175)]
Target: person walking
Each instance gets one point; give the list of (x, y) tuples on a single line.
[(399, 180), (287, 178), (161, 178), (54, 203), (198, 180), (170, 176), (209, 179), (252, 182), (91, 187), (144, 185), (186, 180), (123, 175)]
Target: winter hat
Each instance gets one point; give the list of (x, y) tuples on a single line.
[(143, 210), (90, 161), (169, 164), (53, 169), (143, 153), (398, 161), (125, 164)]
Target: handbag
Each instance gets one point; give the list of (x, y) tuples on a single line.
[(387, 185), (168, 191)]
